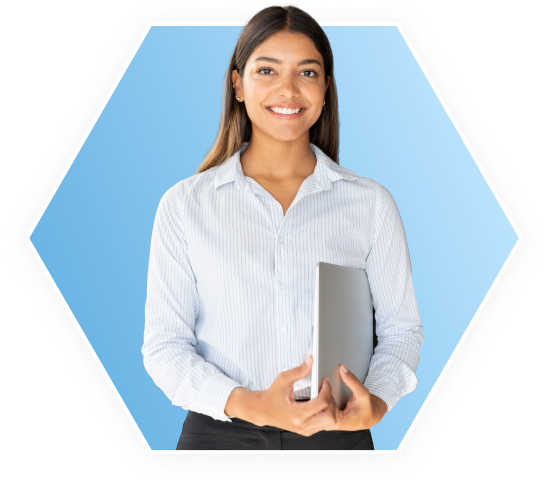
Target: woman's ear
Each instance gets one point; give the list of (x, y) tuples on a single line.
[(236, 80)]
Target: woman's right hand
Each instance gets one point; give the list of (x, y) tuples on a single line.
[(277, 407)]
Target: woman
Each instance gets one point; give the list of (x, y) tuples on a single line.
[(229, 310)]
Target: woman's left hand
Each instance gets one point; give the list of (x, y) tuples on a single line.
[(363, 410)]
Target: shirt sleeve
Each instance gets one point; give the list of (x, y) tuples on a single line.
[(172, 304), (395, 359)]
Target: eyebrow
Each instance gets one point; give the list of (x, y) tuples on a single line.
[(275, 60)]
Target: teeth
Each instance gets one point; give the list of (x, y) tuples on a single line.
[(285, 111)]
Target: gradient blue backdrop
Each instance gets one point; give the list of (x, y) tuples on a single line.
[(94, 236)]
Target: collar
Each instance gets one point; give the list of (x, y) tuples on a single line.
[(325, 173)]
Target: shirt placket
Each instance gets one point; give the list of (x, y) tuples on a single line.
[(282, 227), (284, 320)]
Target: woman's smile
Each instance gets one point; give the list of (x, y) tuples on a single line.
[(286, 113)]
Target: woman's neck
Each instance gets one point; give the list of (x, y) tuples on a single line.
[(279, 162)]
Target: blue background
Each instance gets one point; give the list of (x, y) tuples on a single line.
[(161, 120)]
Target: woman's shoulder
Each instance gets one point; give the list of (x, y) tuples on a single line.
[(367, 183), (336, 171), (377, 192), (380, 189), (186, 186)]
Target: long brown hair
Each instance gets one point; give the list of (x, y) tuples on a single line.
[(235, 125)]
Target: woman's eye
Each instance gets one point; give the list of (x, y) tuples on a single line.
[(268, 69), (313, 71)]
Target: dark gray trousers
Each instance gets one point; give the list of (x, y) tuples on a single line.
[(202, 432)]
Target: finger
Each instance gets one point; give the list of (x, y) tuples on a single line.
[(324, 383), (317, 423), (326, 390), (315, 405), (331, 411), (294, 374), (351, 381), (324, 420), (342, 420)]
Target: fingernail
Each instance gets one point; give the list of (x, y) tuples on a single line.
[(344, 369), (308, 360)]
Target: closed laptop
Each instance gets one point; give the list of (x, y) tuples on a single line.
[(343, 327)]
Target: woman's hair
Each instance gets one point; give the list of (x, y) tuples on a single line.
[(235, 125)]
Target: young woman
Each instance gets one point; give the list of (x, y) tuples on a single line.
[(229, 310)]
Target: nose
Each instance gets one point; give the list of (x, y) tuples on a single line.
[(287, 87)]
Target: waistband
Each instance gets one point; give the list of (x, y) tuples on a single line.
[(237, 422)]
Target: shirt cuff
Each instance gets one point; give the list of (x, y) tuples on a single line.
[(214, 395), (386, 388)]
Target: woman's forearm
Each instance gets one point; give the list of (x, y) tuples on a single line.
[(244, 404), (380, 408)]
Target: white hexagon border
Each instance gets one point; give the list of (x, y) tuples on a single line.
[(81, 356)]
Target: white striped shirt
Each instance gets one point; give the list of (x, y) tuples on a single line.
[(230, 290)]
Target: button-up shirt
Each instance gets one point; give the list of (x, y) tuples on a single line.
[(231, 279)]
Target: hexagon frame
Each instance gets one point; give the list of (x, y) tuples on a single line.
[(89, 371)]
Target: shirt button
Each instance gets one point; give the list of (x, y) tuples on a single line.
[(284, 328), (280, 240), (282, 285)]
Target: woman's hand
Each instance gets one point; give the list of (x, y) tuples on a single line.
[(363, 410), (280, 409), (277, 407)]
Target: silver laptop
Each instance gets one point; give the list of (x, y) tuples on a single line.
[(343, 327)]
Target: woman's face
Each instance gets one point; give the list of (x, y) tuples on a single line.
[(285, 71)]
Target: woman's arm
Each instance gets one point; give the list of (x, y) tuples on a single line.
[(392, 369), (168, 350)]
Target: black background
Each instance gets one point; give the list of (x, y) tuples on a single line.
[(49, 57)]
